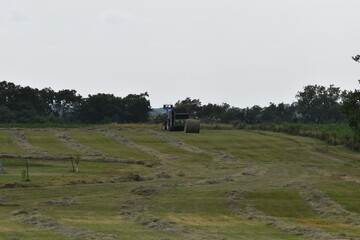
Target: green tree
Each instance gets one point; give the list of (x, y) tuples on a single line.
[(191, 105), (137, 107), (318, 104), (66, 103), (253, 115), (351, 108)]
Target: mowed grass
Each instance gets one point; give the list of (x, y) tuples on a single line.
[(345, 193), (197, 199), (205, 208), (7, 145), (269, 147), (47, 140), (281, 203), (107, 145), (247, 145), (96, 207), (142, 138)]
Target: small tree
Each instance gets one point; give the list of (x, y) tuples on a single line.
[(75, 162), (351, 108), (2, 168), (351, 105), (25, 173)]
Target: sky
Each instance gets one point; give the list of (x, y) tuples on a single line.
[(242, 52)]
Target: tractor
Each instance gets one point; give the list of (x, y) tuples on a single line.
[(177, 119)]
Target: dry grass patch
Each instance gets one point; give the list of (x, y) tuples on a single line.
[(222, 221), (95, 220)]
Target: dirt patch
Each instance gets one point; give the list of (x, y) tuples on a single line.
[(64, 201), (242, 207), (68, 141), (217, 155), (324, 205), (33, 218), (19, 138)]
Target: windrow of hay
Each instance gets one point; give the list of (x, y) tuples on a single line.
[(19, 138), (65, 139), (136, 210), (324, 205), (242, 207), (34, 218), (217, 155), (130, 144)]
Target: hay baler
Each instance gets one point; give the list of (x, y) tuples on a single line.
[(177, 119)]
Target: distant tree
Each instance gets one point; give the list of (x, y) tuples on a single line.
[(351, 108), (102, 108), (160, 118), (233, 115), (286, 113), (253, 115), (191, 105), (137, 107), (351, 105), (270, 114), (106, 108), (212, 112), (66, 103), (318, 104)]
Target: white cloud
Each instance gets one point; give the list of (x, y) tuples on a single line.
[(18, 16), (114, 17), (167, 45), (3, 30)]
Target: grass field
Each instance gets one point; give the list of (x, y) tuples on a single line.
[(141, 183)]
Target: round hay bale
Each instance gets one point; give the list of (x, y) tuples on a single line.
[(192, 126)]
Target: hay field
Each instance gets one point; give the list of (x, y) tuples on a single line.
[(141, 183)]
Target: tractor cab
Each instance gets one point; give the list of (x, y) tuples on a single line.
[(175, 118)]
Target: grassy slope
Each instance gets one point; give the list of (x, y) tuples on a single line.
[(200, 207), (106, 145), (7, 146), (47, 140)]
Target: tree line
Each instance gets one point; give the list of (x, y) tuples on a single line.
[(30, 105), (315, 104)]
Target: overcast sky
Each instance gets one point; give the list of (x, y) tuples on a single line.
[(243, 52)]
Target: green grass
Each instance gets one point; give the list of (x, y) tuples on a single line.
[(197, 201), (47, 141), (107, 145), (7, 146), (160, 145), (345, 193), (281, 203), (44, 125), (195, 198)]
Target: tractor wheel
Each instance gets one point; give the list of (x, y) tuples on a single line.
[(168, 127), (164, 126)]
